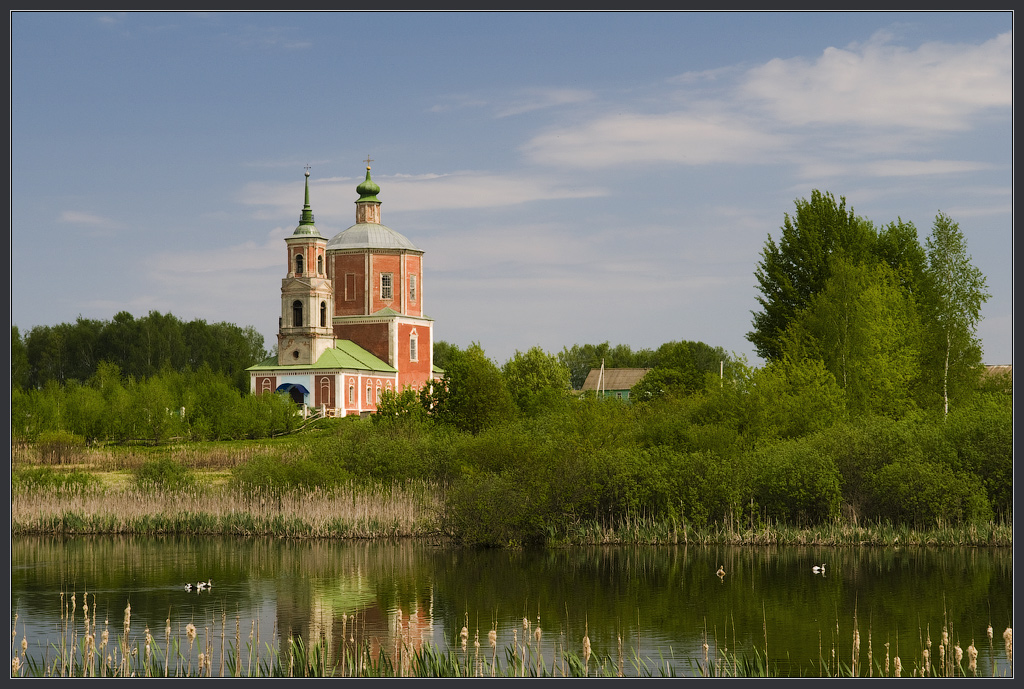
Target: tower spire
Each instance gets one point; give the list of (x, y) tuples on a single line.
[(307, 212)]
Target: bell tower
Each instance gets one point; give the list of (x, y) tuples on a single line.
[(305, 330)]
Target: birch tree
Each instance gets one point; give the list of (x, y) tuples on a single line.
[(957, 290)]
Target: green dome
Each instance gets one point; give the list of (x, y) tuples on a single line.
[(368, 189)]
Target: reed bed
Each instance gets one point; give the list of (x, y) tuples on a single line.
[(351, 511), (647, 531), (86, 650)]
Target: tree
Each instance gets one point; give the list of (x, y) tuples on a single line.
[(791, 272), (865, 330), (443, 353), (20, 369), (472, 395), (953, 305), (533, 376)]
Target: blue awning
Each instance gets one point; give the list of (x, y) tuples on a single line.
[(287, 387)]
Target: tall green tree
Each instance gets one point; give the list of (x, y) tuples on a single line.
[(953, 306), (535, 376), (472, 395), (796, 268), (865, 329)]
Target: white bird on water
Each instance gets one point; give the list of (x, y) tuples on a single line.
[(204, 585), (188, 587), (818, 570)]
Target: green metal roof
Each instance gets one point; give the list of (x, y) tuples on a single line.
[(345, 354), (368, 189), (306, 226)]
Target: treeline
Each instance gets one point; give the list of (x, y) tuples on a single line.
[(139, 348), (169, 405), (524, 459)]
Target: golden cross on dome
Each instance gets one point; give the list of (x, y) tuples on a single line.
[(368, 161)]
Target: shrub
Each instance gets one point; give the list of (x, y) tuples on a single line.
[(163, 473), (59, 447), (45, 477)]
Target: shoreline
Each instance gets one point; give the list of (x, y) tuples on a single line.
[(385, 511)]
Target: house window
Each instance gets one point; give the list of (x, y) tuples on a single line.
[(369, 398), (297, 313), (351, 394), (323, 314), (378, 393), (412, 346), (298, 264), (350, 286), (325, 390), (412, 288), (320, 265), (386, 292)]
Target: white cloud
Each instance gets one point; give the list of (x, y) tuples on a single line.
[(938, 86), (516, 102), (85, 218), (332, 198), (686, 138)]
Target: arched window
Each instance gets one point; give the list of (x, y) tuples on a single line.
[(413, 342), (297, 313), (369, 399), (325, 390), (320, 265), (351, 394), (323, 314), (298, 264)]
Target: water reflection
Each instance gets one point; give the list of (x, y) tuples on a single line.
[(660, 601)]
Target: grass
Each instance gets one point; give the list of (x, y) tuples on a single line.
[(351, 511), (84, 650)]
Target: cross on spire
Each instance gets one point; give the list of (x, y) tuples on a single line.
[(368, 161)]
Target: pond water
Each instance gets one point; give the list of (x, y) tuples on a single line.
[(663, 602)]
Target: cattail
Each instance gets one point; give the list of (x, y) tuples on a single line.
[(105, 637), (972, 659), (886, 658), (190, 632), (586, 650), (24, 644), (464, 635), (492, 638), (127, 616), (14, 629), (958, 654), (536, 633), (926, 655), (898, 667), (989, 632), (15, 665), (1007, 639)]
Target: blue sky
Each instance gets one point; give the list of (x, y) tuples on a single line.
[(572, 177)]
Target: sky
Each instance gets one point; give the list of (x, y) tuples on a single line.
[(573, 178)]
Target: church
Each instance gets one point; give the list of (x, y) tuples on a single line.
[(352, 323)]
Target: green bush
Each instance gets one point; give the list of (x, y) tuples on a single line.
[(163, 473), (927, 494), (60, 447), (44, 477), (495, 510)]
